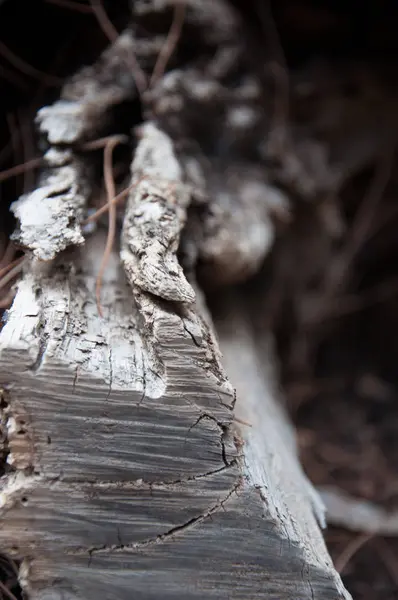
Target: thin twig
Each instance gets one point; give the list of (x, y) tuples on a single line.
[(279, 70), (104, 21), (364, 218), (389, 559), (8, 255), (3, 243), (353, 303), (171, 42), (95, 216), (18, 169), (10, 276), (75, 6), (28, 148), (13, 78), (11, 271), (36, 101), (10, 265), (8, 148), (7, 300), (110, 192), (384, 219), (363, 221), (350, 550), (10, 563), (102, 142), (112, 34), (242, 422), (123, 194), (15, 136), (7, 592), (26, 68)]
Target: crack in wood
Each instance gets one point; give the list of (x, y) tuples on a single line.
[(161, 537), (43, 341), (30, 480), (110, 373)]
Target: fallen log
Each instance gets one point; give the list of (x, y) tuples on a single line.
[(127, 474), (134, 467)]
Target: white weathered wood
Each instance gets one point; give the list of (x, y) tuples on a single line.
[(215, 19), (128, 477), (155, 215), (237, 230), (86, 99), (358, 514), (49, 217), (232, 200), (271, 463)]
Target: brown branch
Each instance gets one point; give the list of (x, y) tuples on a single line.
[(112, 34), (13, 78), (278, 68), (102, 142), (350, 550), (6, 301), (7, 592), (8, 255), (26, 68), (365, 216), (12, 271), (363, 221), (18, 169), (75, 6), (15, 139), (15, 135), (171, 42), (342, 306), (9, 267), (123, 194), (28, 148), (389, 559), (110, 191), (104, 21)]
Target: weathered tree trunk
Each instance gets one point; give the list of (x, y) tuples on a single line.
[(129, 477), (129, 474)]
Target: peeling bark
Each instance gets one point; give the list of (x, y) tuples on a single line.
[(127, 472), (50, 216), (83, 109), (155, 215), (134, 467)]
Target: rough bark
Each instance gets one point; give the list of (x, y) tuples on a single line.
[(128, 475), (86, 100), (155, 216), (50, 217)]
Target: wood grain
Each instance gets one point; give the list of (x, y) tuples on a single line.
[(128, 476)]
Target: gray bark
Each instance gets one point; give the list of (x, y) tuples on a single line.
[(129, 477), (87, 98), (129, 473)]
